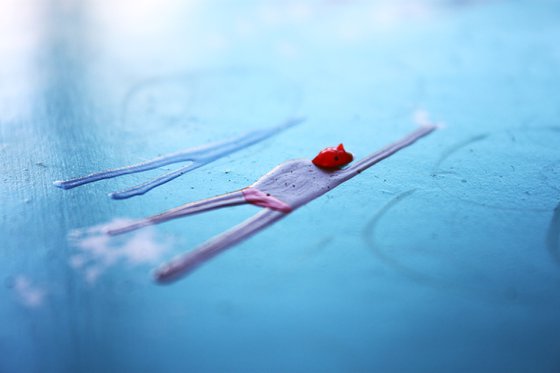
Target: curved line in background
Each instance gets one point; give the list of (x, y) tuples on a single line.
[(449, 151), (368, 235), (192, 79), (453, 149)]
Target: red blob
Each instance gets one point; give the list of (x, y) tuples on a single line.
[(333, 157)]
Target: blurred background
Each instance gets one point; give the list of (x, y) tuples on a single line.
[(445, 257)]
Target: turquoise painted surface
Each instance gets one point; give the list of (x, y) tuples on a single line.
[(442, 258)]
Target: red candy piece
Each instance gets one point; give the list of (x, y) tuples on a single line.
[(333, 157)]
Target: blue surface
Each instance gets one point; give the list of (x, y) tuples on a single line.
[(442, 258)]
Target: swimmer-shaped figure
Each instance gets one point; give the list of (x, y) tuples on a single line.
[(288, 186)]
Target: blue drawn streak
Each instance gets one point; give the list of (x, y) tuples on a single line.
[(198, 156)]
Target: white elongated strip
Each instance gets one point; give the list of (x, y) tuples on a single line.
[(182, 265)]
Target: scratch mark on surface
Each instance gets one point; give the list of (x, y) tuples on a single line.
[(316, 248), (433, 282), (368, 234), (447, 153), (550, 174), (418, 277), (553, 235), (514, 206)]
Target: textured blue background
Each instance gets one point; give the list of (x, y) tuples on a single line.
[(442, 258)]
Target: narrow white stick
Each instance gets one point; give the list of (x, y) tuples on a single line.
[(186, 263)]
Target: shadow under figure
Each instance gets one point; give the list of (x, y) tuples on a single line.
[(288, 186)]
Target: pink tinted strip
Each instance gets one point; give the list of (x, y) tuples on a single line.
[(256, 197)]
